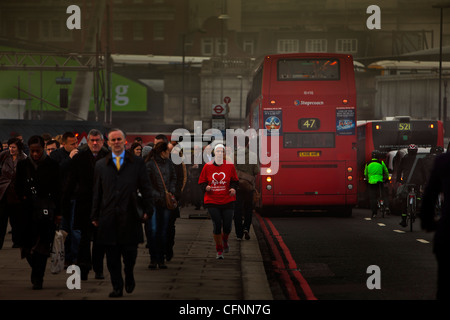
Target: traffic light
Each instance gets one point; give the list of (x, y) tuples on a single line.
[(64, 97)]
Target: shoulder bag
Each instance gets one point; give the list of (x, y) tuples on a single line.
[(171, 202), (246, 181)]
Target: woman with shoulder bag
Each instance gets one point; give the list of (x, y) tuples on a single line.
[(38, 189), (9, 203), (163, 178)]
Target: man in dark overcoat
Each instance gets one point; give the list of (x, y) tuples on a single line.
[(117, 179), (64, 156), (79, 186), (439, 182)]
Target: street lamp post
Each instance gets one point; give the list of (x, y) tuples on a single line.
[(240, 102), (183, 68), (441, 7), (182, 79), (222, 19)]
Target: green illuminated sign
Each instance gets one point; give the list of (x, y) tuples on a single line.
[(126, 95)]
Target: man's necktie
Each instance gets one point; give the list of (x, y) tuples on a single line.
[(118, 163)]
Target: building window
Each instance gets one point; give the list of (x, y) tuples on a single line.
[(118, 30), (221, 46), (287, 46), (54, 30), (22, 29), (316, 45), (138, 30), (347, 45), (158, 30), (207, 47), (248, 46), (45, 29)]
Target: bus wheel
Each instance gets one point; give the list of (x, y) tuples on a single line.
[(345, 211), (265, 211)]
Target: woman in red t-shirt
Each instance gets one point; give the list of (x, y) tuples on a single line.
[(219, 183)]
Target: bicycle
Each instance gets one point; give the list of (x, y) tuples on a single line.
[(380, 201), (411, 207)]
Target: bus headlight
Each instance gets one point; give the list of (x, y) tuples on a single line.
[(269, 179), (349, 178), (268, 170)]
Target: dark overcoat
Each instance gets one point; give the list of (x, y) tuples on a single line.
[(115, 200), (8, 172), (32, 233), (80, 186), (169, 175)]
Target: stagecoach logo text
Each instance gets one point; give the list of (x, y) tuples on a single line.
[(309, 103)]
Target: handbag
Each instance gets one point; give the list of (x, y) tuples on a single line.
[(139, 205), (256, 197), (57, 253), (171, 202), (246, 181)]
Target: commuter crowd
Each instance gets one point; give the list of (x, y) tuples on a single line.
[(107, 199)]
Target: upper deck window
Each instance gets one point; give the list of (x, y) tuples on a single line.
[(308, 69)]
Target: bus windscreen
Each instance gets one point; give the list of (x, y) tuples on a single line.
[(308, 69)]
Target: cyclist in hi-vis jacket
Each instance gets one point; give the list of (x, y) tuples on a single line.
[(376, 173)]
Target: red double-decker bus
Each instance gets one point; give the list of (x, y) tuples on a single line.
[(311, 99)]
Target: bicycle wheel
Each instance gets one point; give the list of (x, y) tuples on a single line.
[(409, 215), (412, 216), (382, 210)]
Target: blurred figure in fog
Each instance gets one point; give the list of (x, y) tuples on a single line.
[(438, 182), (424, 165), (9, 202), (246, 172)]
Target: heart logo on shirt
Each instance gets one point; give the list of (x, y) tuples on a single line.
[(218, 175)]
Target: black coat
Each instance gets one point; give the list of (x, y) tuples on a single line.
[(115, 199), (61, 156), (32, 232), (439, 182), (80, 186), (170, 178)]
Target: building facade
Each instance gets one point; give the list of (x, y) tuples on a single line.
[(230, 34)]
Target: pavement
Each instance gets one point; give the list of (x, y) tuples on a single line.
[(194, 273)]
